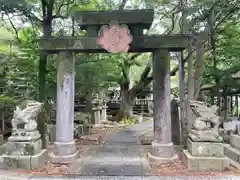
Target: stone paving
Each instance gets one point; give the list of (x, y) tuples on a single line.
[(119, 155), (118, 158), (77, 177)]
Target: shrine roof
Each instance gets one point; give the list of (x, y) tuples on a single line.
[(140, 18)]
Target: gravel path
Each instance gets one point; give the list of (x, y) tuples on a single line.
[(119, 155)]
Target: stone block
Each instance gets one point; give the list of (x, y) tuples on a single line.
[(229, 126), (156, 160), (232, 152), (79, 129), (25, 136), (203, 164), (1, 139), (63, 159), (235, 141), (64, 149), (87, 128), (23, 148), (205, 149), (46, 138), (162, 150), (25, 162), (238, 129), (52, 132), (2, 149)]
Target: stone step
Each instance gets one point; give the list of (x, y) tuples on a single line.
[(203, 164), (146, 138), (235, 141), (232, 153)]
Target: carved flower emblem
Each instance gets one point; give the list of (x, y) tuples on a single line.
[(115, 38)]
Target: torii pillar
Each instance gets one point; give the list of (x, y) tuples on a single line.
[(64, 146), (162, 146)]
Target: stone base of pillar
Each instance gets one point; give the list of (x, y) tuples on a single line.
[(64, 153), (162, 153), (27, 162), (24, 152), (97, 125)]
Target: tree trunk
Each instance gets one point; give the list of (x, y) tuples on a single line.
[(190, 74), (190, 96), (47, 32), (211, 23), (199, 68), (89, 99), (42, 77), (225, 104), (127, 103), (184, 121), (47, 10), (236, 105)]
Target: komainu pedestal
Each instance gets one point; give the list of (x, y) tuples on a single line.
[(24, 146), (232, 150), (205, 148)]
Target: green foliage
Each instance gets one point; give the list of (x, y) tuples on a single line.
[(147, 120), (19, 63), (228, 53), (128, 120), (7, 102), (95, 73), (82, 118), (175, 92)]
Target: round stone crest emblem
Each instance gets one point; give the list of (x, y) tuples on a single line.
[(115, 38)]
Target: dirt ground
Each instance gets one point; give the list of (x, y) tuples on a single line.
[(178, 168)]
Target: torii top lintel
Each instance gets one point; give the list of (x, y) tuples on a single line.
[(94, 21), (141, 18)]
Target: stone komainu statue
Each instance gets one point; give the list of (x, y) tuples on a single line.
[(205, 122), (24, 120)]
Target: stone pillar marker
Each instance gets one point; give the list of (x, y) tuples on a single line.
[(176, 134), (2, 145), (64, 147), (99, 109), (162, 146), (104, 112), (96, 114)]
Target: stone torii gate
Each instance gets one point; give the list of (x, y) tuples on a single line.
[(159, 45)]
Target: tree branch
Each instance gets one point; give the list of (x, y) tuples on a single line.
[(173, 24), (58, 12), (144, 81), (174, 71), (164, 15), (14, 28), (122, 5)]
